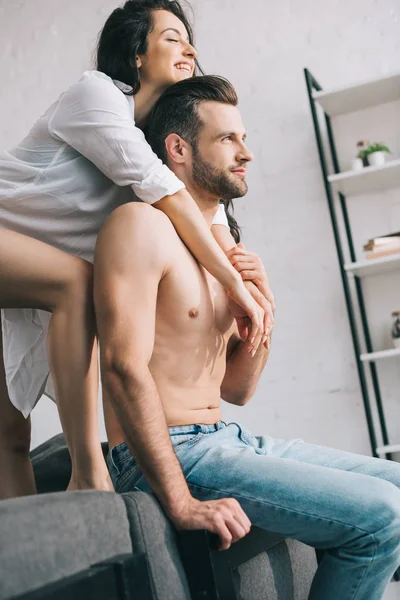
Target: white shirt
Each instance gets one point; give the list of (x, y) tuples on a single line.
[(82, 159)]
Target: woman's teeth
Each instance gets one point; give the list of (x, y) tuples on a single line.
[(183, 68)]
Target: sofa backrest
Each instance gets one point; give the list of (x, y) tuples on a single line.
[(47, 537)]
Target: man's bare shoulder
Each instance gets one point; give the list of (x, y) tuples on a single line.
[(139, 215), (136, 231)]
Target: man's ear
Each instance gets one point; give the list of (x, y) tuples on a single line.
[(177, 149)]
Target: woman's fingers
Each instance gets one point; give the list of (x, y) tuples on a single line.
[(245, 265), (241, 296), (256, 337), (268, 316), (245, 256), (251, 268), (256, 330)]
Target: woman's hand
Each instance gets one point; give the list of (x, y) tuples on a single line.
[(252, 271), (249, 316), (251, 268), (267, 308), (242, 319)]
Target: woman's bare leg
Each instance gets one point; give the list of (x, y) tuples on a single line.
[(15, 437), (36, 275)]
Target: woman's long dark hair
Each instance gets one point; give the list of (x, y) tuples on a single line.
[(124, 37), (233, 224)]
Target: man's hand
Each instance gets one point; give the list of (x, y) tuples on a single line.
[(251, 268), (224, 517)]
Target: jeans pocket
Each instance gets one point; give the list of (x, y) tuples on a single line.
[(180, 441), (128, 478), (245, 435), (118, 456)]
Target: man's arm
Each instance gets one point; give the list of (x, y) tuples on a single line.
[(242, 371), (131, 259), (129, 265)]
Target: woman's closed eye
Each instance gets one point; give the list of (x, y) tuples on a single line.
[(172, 40)]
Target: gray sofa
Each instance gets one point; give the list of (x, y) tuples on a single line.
[(56, 536)]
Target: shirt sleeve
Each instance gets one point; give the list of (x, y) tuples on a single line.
[(220, 216), (94, 117)]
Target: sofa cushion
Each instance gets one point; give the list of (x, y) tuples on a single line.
[(47, 537)]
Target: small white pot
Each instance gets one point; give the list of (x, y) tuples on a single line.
[(396, 342), (357, 164), (376, 159)]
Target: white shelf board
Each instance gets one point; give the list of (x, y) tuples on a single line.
[(357, 97), (372, 356), (374, 266), (382, 450), (367, 180)]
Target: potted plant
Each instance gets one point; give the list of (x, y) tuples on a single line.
[(375, 154), (396, 328), (361, 160)]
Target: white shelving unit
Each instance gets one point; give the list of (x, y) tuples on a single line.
[(374, 266), (357, 97), (383, 450), (368, 180), (372, 356)]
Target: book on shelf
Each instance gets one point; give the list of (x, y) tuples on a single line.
[(383, 245), (379, 253)]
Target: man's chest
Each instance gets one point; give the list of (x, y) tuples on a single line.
[(191, 302)]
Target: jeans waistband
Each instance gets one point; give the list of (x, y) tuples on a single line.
[(196, 428)]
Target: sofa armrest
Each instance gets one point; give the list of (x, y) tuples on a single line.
[(209, 571), (281, 568)]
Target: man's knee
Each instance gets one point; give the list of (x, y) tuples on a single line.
[(384, 514)]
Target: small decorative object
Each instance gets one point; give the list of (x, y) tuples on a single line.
[(375, 154), (396, 328), (383, 245), (362, 145), (357, 164)]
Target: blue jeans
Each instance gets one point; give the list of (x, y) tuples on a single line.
[(344, 503)]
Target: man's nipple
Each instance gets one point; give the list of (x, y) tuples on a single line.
[(193, 313)]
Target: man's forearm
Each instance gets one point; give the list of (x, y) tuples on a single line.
[(242, 373), (140, 414)]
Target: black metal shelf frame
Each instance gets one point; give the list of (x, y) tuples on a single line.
[(312, 84)]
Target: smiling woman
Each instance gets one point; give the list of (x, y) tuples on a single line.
[(83, 158), (147, 42)]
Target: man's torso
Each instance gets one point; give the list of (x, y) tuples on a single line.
[(193, 326)]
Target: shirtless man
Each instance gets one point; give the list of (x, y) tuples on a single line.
[(170, 350)]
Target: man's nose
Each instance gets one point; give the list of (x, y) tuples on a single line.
[(245, 155)]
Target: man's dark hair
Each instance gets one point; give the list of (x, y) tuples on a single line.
[(124, 36), (176, 111)]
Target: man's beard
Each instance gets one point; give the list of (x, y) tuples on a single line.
[(215, 181)]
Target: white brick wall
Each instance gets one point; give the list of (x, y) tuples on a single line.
[(310, 387)]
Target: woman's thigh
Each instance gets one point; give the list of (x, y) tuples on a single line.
[(34, 274)]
